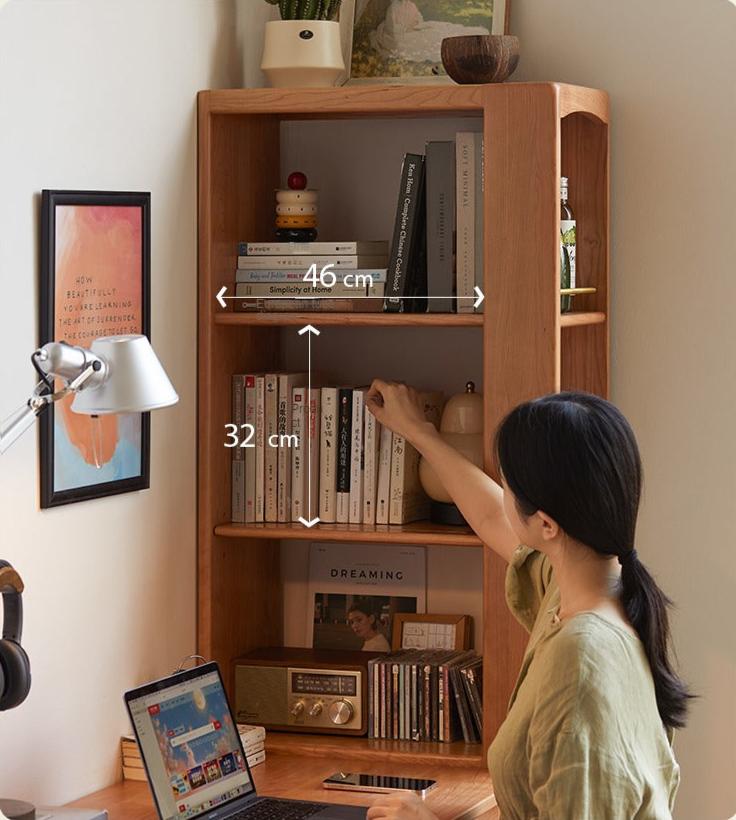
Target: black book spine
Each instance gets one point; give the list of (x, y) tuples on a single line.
[(344, 438), (409, 211)]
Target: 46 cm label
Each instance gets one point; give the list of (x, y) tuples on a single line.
[(245, 435)]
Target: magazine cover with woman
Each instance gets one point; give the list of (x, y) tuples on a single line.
[(356, 589)]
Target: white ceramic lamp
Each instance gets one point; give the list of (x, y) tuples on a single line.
[(462, 428), (135, 381)]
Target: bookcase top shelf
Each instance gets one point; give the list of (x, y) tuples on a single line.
[(572, 319), (419, 532), (396, 100)]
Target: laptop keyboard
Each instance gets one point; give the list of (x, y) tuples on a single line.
[(271, 809)]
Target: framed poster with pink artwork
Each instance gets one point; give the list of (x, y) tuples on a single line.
[(95, 281)]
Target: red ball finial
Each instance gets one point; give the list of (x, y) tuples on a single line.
[(297, 181)]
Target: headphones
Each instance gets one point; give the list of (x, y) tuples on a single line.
[(15, 668)]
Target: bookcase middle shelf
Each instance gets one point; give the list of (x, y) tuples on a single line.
[(417, 532)]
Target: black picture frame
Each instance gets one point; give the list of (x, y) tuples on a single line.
[(50, 201)]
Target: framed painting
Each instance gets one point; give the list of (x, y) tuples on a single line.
[(95, 281), (398, 41)]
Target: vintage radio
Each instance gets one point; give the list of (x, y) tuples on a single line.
[(304, 690)]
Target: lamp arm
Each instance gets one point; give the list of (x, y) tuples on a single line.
[(13, 427)]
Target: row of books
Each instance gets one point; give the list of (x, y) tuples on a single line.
[(253, 739), (426, 695), (311, 276), (319, 452)]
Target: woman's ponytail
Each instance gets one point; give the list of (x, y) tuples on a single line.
[(646, 608), (575, 456)]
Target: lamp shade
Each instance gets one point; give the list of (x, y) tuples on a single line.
[(136, 381)]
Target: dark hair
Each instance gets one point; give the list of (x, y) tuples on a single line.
[(365, 606), (574, 456)]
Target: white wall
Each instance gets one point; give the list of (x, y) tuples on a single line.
[(100, 94)]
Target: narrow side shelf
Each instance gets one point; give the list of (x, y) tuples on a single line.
[(462, 755), (420, 532), (578, 318)]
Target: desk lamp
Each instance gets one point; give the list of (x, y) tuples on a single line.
[(119, 374)]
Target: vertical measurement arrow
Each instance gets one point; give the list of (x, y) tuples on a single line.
[(310, 330)]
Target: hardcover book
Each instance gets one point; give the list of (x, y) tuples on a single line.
[(287, 382), (238, 452), (250, 452), (440, 226), (347, 261), (370, 247), (465, 216), (344, 452), (354, 590), (328, 456)]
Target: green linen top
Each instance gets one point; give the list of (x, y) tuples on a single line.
[(583, 739)]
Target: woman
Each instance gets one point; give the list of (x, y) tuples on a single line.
[(589, 727), (364, 623)]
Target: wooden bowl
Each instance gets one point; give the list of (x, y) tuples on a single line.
[(480, 58)]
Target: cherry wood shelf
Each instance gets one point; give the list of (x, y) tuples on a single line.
[(468, 755), (534, 133), (420, 532)]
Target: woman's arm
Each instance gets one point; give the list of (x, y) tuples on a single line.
[(478, 497)]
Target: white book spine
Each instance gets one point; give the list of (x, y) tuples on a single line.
[(256, 759), (250, 733), (347, 261), (465, 216), (384, 476), (357, 459), (237, 513), (260, 449), (398, 469), (287, 382), (250, 452), (370, 473), (312, 455), (271, 453), (328, 456), (479, 210), (298, 453), (344, 452)]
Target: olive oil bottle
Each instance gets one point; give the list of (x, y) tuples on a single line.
[(567, 246)]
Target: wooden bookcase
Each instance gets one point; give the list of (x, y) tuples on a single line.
[(533, 134)]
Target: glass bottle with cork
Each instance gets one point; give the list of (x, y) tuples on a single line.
[(567, 245)]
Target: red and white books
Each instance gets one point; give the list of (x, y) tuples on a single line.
[(328, 456), (287, 382), (238, 452), (355, 515), (271, 455), (383, 484), (250, 452), (260, 488), (408, 501), (370, 466)]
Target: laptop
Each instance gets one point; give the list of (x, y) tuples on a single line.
[(194, 757)]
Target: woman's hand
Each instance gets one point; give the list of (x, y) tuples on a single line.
[(400, 807), (398, 407)]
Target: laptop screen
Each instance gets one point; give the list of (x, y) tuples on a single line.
[(189, 743)]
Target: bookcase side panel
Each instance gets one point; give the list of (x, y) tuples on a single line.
[(522, 324)]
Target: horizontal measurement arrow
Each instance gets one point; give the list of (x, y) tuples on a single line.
[(478, 297)]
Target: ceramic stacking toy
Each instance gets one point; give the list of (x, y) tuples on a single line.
[(296, 210)]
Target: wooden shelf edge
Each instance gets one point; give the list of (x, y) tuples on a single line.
[(355, 319), (456, 755), (421, 532), (578, 318)]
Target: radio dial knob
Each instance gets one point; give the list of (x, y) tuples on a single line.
[(341, 712), (297, 708), (316, 710)]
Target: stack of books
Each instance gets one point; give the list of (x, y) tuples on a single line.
[(426, 695), (301, 453), (132, 763), (253, 739), (311, 276)]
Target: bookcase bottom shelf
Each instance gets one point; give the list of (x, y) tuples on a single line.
[(468, 755), (419, 532)]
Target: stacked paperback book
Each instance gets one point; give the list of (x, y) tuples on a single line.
[(253, 739), (311, 276), (320, 452), (427, 695)]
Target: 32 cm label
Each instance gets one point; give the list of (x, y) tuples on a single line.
[(245, 435)]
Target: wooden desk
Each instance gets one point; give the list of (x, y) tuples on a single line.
[(461, 792)]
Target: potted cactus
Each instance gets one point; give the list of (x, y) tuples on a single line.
[(303, 48)]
